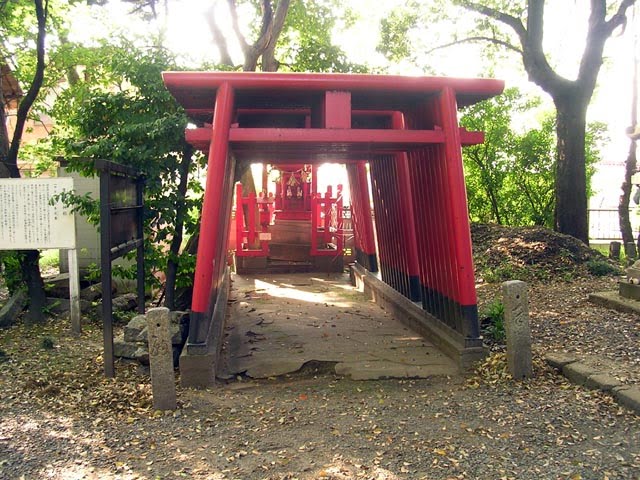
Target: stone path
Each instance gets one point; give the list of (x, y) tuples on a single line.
[(598, 373), (279, 323)]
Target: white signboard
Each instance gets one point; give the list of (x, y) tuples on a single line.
[(27, 221)]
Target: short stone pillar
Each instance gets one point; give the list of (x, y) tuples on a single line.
[(630, 252), (517, 329), (614, 250), (161, 359)]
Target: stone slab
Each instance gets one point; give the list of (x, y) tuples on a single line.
[(559, 360), (578, 372), (629, 397), (602, 381), (629, 290), (615, 301)]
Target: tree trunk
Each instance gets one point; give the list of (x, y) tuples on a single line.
[(4, 141), (176, 241), (632, 161), (571, 215), (623, 204), (35, 287)]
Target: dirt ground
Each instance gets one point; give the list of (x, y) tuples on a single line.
[(59, 418)]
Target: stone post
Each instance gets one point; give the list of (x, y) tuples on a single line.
[(614, 250), (630, 252), (517, 329), (161, 359)]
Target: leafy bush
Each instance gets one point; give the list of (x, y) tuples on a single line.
[(601, 268), (493, 316)]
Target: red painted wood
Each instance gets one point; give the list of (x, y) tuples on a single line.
[(406, 206), (192, 89), (209, 246), (337, 110), (458, 214)]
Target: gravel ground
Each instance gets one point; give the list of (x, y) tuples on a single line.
[(59, 418)]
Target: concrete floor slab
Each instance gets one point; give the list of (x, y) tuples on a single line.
[(278, 323)]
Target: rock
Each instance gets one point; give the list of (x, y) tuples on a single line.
[(142, 355), (123, 286), (179, 317), (59, 306), (133, 329), (91, 293), (177, 331), (57, 286), (143, 336), (126, 302), (124, 349), (10, 311)]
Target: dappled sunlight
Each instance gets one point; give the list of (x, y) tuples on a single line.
[(281, 291), (335, 283)]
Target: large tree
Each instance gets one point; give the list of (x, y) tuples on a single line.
[(571, 97), (11, 12), (519, 27)]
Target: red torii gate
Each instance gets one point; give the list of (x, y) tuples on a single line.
[(406, 129)]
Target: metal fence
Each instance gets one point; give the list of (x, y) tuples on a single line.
[(604, 223)]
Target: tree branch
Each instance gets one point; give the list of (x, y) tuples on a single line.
[(236, 27), (478, 38), (620, 17), (269, 63), (34, 89), (218, 37), (502, 17)]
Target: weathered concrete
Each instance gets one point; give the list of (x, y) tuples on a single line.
[(602, 381), (615, 301), (578, 372), (629, 396), (464, 351), (161, 359), (199, 363), (598, 373), (517, 329), (559, 360)]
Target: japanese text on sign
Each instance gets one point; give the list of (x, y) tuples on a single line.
[(27, 220)]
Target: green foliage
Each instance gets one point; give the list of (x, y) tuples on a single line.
[(11, 271), (121, 111), (305, 44), (601, 268), (494, 315), (511, 177), (47, 343), (395, 43)]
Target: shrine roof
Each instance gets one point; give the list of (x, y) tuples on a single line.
[(196, 90)]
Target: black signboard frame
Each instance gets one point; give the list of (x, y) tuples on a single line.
[(121, 231)]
